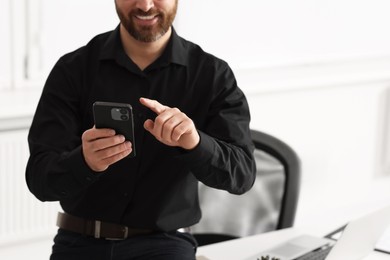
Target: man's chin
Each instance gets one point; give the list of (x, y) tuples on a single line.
[(149, 39), (147, 35)]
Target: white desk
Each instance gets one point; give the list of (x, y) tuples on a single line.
[(245, 247)]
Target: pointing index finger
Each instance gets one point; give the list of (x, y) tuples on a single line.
[(153, 105)]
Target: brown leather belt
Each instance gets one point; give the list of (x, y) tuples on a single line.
[(97, 229)]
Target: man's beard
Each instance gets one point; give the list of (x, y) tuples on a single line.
[(148, 33)]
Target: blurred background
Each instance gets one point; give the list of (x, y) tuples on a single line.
[(316, 75)]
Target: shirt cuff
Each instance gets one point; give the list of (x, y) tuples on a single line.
[(79, 168), (202, 153)]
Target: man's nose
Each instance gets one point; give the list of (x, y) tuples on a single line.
[(145, 5)]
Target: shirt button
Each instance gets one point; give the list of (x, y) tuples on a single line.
[(88, 179), (64, 193)]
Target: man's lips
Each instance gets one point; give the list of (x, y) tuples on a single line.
[(146, 17), (146, 20)]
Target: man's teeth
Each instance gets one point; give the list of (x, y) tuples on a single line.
[(150, 17)]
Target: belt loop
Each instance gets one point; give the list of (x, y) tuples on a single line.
[(126, 232), (97, 228)]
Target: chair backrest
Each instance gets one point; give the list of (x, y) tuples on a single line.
[(270, 205)]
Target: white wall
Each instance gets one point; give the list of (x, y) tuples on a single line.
[(69, 24), (283, 31)]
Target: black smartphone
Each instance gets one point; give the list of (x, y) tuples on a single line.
[(117, 116)]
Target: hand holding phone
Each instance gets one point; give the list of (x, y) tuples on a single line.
[(103, 147), (117, 116), (112, 138)]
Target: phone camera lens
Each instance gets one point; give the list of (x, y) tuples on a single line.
[(124, 117), (123, 111)]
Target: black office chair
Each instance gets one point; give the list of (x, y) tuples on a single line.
[(270, 205)]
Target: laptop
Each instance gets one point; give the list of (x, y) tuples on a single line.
[(356, 242)]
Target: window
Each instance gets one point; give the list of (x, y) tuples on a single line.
[(38, 32), (5, 44)]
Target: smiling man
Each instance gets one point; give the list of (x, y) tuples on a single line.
[(149, 21), (191, 124)]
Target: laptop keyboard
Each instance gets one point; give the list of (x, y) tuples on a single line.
[(319, 254)]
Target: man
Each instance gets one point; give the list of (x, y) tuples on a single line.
[(191, 124)]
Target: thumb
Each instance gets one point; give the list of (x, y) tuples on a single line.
[(149, 125)]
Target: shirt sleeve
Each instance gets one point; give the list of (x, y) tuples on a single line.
[(56, 168), (224, 157)]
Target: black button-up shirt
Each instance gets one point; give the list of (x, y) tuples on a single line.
[(157, 189)]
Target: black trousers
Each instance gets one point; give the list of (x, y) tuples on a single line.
[(158, 246)]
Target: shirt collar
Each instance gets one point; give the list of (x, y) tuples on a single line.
[(175, 51), (112, 46)]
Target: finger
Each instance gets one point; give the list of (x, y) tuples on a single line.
[(180, 129), (153, 105), (170, 125), (105, 162), (117, 157), (114, 150), (160, 124), (166, 121), (95, 133), (149, 125), (104, 143)]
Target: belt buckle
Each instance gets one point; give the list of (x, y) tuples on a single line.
[(125, 230), (98, 225)]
